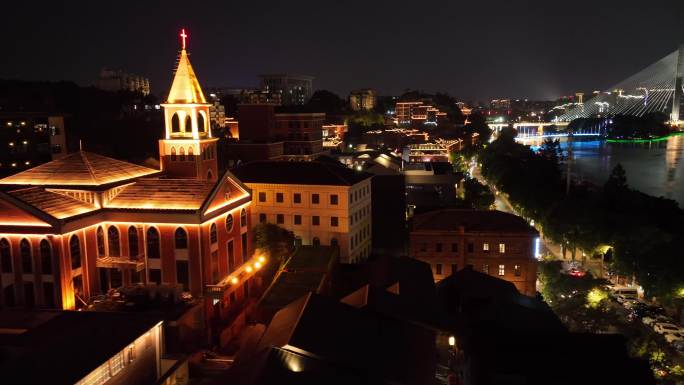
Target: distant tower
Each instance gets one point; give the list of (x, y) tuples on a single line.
[(677, 97), (580, 97), (188, 149)]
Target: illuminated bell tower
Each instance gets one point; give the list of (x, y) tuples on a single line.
[(188, 149)]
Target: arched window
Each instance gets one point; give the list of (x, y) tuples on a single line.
[(45, 257), (113, 238), (75, 251), (181, 238), (153, 250), (100, 242), (190, 153), (333, 242), (213, 236), (181, 154), (200, 122), (173, 154), (188, 124), (229, 223), (210, 176), (175, 123), (243, 218), (26, 260), (316, 241), (133, 242), (5, 256)]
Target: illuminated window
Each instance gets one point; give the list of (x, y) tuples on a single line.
[(297, 219), (485, 268), (315, 198), (485, 246), (75, 251), (333, 199), (181, 154), (229, 223), (502, 248), (334, 221), (113, 241), (190, 153), (5, 256), (45, 257), (100, 242), (26, 259), (213, 235), (262, 197), (173, 154), (279, 197), (153, 248), (133, 242), (438, 269), (297, 198), (516, 270), (243, 218), (181, 238), (501, 270), (315, 220)]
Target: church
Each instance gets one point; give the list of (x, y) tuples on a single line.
[(78, 226)]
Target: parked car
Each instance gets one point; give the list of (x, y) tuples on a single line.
[(666, 327), (673, 337)]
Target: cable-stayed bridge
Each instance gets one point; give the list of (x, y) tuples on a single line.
[(657, 88)]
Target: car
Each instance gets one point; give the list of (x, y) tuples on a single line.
[(665, 327), (673, 337), (629, 303), (577, 273)]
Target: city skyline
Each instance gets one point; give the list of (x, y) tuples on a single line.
[(543, 48)]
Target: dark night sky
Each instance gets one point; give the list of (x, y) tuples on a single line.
[(473, 50)]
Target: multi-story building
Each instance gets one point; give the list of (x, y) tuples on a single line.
[(322, 203), (78, 226), (417, 114), (295, 89), (117, 80), (266, 134), (362, 100), (30, 139), (496, 243)]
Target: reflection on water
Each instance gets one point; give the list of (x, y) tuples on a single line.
[(654, 168)]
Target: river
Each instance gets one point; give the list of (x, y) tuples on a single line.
[(655, 168)]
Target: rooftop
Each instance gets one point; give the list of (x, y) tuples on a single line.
[(185, 87), (178, 194), (48, 353), (54, 204), (79, 169), (301, 173), (472, 221)]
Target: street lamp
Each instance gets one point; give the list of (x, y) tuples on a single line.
[(452, 341)]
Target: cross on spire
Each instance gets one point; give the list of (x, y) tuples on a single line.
[(183, 36)]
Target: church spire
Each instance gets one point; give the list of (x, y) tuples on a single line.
[(185, 87)]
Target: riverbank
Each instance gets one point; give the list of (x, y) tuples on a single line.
[(656, 139)]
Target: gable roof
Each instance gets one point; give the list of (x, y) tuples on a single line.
[(169, 194), (79, 169), (302, 173), (185, 87), (472, 221)]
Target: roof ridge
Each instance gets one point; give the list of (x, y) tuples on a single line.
[(90, 168)]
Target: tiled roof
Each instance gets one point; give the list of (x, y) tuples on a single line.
[(80, 168), (54, 204), (165, 194), (472, 221), (306, 173), (185, 87)]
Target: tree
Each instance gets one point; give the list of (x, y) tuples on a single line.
[(478, 125), (273, 240), (478, 195), (326, 101)]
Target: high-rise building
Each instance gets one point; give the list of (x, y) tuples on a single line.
[(78, 226), (117, 80), (362, 100), (294, 89), (30, 139)]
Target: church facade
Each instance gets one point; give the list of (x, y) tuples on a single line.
[(78, 226)]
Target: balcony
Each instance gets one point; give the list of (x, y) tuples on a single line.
[(123, 263), (237, 277)]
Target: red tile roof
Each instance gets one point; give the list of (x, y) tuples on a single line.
[(163, 194), (54, 204)]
